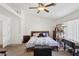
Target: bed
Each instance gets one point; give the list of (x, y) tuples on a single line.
[(44, 40)]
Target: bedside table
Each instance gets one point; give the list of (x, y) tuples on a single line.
[(26, 38)]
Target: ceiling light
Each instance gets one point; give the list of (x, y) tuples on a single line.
[(41, 8)]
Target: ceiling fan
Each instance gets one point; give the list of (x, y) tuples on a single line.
[(42, 7)]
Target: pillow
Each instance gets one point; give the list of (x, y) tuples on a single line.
[(45, 34), (36, 34)]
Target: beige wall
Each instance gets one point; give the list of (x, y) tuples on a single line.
[(33, 23)]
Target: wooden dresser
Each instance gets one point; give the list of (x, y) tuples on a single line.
[(54, 35)]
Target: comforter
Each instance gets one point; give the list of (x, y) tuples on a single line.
[(41, 41)]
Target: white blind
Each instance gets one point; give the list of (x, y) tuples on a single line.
[(72, 30)]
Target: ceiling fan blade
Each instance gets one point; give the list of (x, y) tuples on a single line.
[(33, 7), (40, 4), (52, 4), (38, 11), (46, 10)]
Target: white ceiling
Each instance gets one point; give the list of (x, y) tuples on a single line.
[(58, 11), (7, 12)]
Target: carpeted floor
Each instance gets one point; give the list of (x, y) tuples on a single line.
[(20, 50)]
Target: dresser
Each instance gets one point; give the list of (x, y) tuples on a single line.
[(54, 35)]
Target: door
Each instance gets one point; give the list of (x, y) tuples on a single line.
[(6, 32)]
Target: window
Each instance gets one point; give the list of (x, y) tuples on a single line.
[(72, 30)]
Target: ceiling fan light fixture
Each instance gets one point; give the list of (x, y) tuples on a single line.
[(41, 8)]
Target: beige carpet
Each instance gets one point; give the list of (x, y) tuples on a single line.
[(20, 50)]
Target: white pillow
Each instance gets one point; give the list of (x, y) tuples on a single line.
[(36, 34)]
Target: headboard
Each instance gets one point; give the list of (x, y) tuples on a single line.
[(43, 32)]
